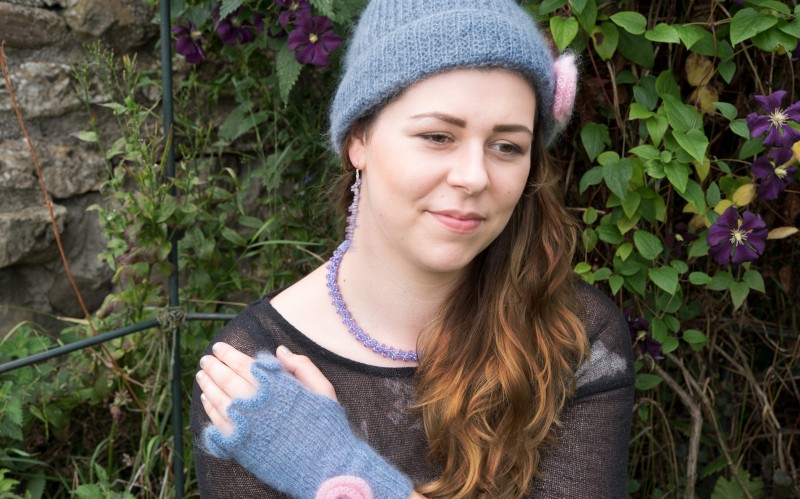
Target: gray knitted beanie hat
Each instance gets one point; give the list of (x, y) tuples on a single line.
[(399, 42)]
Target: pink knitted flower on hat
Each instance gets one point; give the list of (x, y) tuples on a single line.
[(566, 84), (344, 487)]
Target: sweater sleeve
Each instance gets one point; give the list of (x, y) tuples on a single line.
[(590, 457), (225, 478)]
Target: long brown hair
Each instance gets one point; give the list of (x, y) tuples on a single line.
[(497, 364)]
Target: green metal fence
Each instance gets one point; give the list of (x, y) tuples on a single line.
[(170, 319)]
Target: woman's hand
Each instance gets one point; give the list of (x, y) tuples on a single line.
[(226, 375)]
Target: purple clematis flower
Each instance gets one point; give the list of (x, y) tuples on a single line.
[(233, 31), (640, 334), (776, 122), (680, 234), (313, 40), (775, 173), (292, 11), (189, 43), (734, 240)]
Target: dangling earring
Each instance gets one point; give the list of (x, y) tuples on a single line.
[(353, 209)]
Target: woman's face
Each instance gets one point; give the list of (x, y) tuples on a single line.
[(443, 167)]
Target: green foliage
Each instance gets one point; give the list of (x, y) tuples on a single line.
[(660, 148), (664, 149)]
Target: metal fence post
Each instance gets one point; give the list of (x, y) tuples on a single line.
[(166, 107)]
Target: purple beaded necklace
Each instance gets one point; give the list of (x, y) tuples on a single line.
[(337, 301)]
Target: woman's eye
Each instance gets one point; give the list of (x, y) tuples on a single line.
[(506, 148), (436, 138)]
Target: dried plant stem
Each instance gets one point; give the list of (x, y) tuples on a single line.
[(708, 407), (47, 200), (697, 426)]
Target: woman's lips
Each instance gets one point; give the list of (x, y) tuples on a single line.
[(458, 221)]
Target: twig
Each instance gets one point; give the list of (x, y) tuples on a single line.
[(696, 429), (47, 200)]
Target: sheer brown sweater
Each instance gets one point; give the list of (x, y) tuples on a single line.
[(589, 459)]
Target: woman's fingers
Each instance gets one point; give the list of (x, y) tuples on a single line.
[(215, 402), (236, 360), (306, 372)]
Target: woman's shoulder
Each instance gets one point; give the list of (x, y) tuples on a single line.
[(610, 361), (256, 328)]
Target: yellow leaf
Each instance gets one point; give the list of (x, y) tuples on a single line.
[(796, 149), (706, 96), (723, 205), (744, 194), (702, 169), (782, 232), (698, 69), (699, 222)]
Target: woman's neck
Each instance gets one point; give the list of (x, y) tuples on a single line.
[(391, 300)]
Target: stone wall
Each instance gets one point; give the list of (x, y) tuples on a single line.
[(42, 38)]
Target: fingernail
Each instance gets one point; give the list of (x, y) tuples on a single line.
[(216, 348), (203, 360), (282, 350), (203, 397), (199, 375)]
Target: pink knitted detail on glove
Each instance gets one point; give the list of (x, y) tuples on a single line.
[(566, 76), (344, 487)]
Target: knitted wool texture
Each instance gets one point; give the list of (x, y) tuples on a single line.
[(295, 440), (399, 42)]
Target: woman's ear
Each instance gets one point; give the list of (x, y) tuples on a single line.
[(356, 150)]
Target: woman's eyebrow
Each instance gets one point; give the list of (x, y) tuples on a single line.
[(510, 128), (443, 117)]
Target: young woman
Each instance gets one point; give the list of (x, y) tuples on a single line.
[(489, 369)]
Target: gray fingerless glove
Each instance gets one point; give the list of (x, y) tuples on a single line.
[(294, 440)]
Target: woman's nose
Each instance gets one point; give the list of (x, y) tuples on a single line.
[(469, 170)]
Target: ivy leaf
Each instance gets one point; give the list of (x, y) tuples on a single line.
[(748, 23), (648, 245), (739, 127), (699, 278), (563, 31), (751, 148), (754, 280), (695, 195), (678, 175), (632, 22), (730, 489), (774, 39), (656, 128), (727, 69), (665, 278), (595, 139), (616, 176), (637, 49), (645, 381), (694, 142), (587, 15), (680, 116), (288, 71), (739, 292), (592, 177), (694, 336), (549, 6), (615, 282), (605, 39), (663, 33), (630, 205), (727, 110), (690, 34)]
